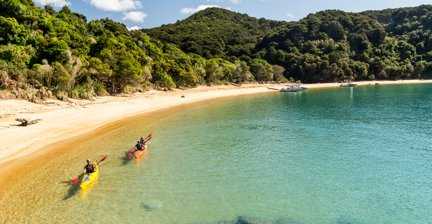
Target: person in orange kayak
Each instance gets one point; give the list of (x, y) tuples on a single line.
[(89, 168), (143, 143), (139, 146)]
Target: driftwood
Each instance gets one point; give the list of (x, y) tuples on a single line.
[(27, 121)]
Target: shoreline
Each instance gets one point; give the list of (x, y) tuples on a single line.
[(65, 120)]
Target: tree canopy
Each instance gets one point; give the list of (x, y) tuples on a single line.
[(327, 46), (44, 52)]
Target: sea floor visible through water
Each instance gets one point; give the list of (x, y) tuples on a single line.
[(344, 155)]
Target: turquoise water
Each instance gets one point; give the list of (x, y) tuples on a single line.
[(348, 155)]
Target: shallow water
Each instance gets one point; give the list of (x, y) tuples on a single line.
[(348, 155)]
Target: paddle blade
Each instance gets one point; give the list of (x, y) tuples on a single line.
[(103, 158), (74, 180), (131, 150)]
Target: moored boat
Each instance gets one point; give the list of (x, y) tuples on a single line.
[(272, 88), (348, 85), (293, 88)]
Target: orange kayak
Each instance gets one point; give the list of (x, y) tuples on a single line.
[(140, 153)]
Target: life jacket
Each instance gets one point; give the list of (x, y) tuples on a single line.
[(89, 168)]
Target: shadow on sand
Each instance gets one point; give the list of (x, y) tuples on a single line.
[(73, 190), (125, 159)]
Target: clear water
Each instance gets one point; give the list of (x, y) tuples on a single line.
[(345, 155)]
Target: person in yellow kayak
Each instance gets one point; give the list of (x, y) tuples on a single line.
[(89, 168)]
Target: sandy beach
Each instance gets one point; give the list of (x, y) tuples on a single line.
[(64, 120)]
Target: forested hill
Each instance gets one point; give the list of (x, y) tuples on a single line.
[(216, 32), (49, 53), (327, 46)]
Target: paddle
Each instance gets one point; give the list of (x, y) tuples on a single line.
[(76, 179), (132, 150)]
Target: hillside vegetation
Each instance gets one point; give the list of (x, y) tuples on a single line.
[(47, 53), (216, 32), (324, 47)]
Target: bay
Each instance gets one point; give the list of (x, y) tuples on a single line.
[(345, 155)]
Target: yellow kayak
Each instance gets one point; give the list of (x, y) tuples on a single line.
[(89, 179)]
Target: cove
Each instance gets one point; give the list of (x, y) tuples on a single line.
[(344, 155)]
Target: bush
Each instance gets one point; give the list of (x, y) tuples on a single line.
[(100, 89)]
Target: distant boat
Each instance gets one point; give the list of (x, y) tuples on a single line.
[(272, 88), (293, 88), (348, 85)]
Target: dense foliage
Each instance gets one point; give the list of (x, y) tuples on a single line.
[(216, 32), (323, 47), (335, 46), (46, 53)]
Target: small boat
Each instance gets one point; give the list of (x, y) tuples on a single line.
[(272, 88), (89, 179), (137, 153), (140, 153), (348, 85), (293, 88)]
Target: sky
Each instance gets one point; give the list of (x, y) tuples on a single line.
[(137, 14)]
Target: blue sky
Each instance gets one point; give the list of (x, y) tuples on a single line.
[(154, 13)]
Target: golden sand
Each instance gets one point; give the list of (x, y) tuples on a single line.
[(23, 149)]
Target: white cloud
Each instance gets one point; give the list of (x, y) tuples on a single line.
[(116, 5), (186, 11), (137, 17), (134, 28), (55, 3), (235, 1), (290, 16)]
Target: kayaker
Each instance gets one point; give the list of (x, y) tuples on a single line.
[(89, 168), (139, 146), (143, 143)]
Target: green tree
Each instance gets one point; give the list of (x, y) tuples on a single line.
[(12, 32), (55, 51), (61, 79), (261, 70), (17, 55)]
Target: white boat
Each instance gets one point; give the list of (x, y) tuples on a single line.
[(348, 85), (293, 88)]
